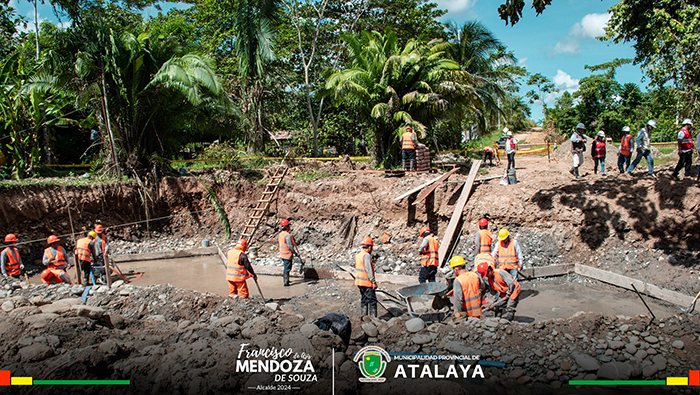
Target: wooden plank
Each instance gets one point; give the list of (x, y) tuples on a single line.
[(222, 256), (547, 271), (457, 213), (416, 189), (152, 256), (625, 282), (436, 184)]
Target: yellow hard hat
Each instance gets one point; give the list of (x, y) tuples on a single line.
[(503, 234), (456, 261), (92, 234)]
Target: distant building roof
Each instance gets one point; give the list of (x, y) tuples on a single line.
[(284, 135)]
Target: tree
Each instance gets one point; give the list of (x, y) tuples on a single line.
[(544, 86), (8, 29), (512, 10), (396, 87)]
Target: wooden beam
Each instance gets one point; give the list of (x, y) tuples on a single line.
[(416, 189), (547, 271), (457, 213), (152, 256), (222, 256), (625, 282), (436, 184)]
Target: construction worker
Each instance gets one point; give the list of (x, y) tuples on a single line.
[(598, 152), (644, 148), (511, 147), (428, 256), (364, 278), (484, 238), (624, 152), (238, 270), (484, 257), (685, 150), (507, 253), (10, 261), (85, 252), (489, 155), (54, 276), (101, 245), (467, 287), (506, 286), (287, 248), (56, 261), (578, 147), (408, 149)]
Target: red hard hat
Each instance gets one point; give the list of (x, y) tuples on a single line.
[(284, 222), (10, 238), (243, 244), (367, 241), (482, 269), (52, 239), (47, 276), (483, 222), (99, 228), (422, 231)]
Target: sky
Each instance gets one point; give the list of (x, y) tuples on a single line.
[(558, 43)]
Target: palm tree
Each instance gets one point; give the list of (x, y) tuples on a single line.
[(398, 87)]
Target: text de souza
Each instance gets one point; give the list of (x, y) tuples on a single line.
[(285, 364)]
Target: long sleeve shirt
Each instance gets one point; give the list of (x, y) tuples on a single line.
[(245, 262), (423, 245), (292, 246), (367, 261), (632, 145), (510, 281), (643, 140), (511, 143), (518, 252), (4, 260), (459, 293), (98, 246), (578, 142), (45, 260)]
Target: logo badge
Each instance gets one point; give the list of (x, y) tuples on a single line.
[(372, 362)]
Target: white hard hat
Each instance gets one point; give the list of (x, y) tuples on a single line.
[(652, 123), (580, 126), (509, 133), (600, 134), (626, 129), (687, 121)]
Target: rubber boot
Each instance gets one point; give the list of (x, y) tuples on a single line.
[(405, 165), (373, 311), (573, 171), (577, 174), (364, 309), (285, 277), (412, 165)]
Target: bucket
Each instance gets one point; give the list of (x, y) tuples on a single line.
[(205, 243), (253, 252), (512, 179)]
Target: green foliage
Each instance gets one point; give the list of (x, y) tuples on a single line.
[(220, 211), (512, 10), (312, 175)]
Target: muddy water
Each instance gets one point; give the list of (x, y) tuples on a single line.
[(206, 274)]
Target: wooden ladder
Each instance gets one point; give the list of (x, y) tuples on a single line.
[(263, 204)]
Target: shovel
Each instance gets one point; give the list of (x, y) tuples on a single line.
[(259, 290), (497, 304), (692, 305)]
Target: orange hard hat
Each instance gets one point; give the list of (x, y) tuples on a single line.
[(47, 276), (10, 238), (243, 244), (482, 269), (367, 241), (483, 222), (99, 228), (422, 231), (52, 239), (284, 222)]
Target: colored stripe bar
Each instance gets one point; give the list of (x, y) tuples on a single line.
[(5, 377), (676, 381), (693, 377), (81, 382), (617, 382), (21, 381)]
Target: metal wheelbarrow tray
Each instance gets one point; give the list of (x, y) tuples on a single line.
[(418, 293)]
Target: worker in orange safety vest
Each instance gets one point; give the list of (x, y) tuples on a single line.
[(365, 280), (428, 256), (85, 252), (467, 288), (56, 260), (624, 152), (508, 254), (10, 261), (408, 149), (238, 270), (506, 286), (483, 239), (288, 249)]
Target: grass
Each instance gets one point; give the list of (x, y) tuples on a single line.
[(67, 181), (312, 175)]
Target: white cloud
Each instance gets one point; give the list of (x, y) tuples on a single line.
[(522, 61), (455, 6), (589, 27), (564, 82)]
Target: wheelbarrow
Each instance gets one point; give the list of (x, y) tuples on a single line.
[(416, 292)]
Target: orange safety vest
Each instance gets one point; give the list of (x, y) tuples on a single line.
[(507, 259), (361, 276), (486, 239), (407, 141), (471, 294), (484, 257), (235, 272), (501, 286), (56, 279), (626, 146), (82, 250), (12, 266), (687, 141), (285, 251), (430, 257), (59, 260)]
